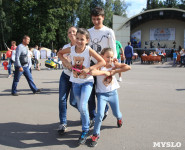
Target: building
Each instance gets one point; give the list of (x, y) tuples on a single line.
[(155, 28)]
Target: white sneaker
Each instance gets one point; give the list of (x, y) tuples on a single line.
[(120, 79)]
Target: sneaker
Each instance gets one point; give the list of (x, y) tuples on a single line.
[(38, 91), (10, 76), (62, 129), (94, 140), (120, 79), (91, 123), (105, 116), (83, 137), (119, 123), (15, 94)]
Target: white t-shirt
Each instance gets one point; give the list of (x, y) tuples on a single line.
[(80, 61), (67, 71), (29, 59), (37, 54), (102, 38), (106, 84)]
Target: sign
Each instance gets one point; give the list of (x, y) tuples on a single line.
[(162, 34)]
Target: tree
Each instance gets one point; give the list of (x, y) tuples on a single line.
[(119, 7), (108, 12)]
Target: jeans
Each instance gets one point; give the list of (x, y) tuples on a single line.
[(128, 60), (10, 66), (28, 77), (92, 103), (82, 92), (103, 99), (174, 61), (65, 86)]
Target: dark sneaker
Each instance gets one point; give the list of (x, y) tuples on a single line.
[(91, 123), (83, 137), (119, 123), (15, 94), (105, 116), (38, 91), (62, 129), (94, 140)]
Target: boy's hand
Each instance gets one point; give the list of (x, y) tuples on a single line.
[(21, 69)]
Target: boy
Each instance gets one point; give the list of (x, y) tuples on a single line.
[(100, 37)]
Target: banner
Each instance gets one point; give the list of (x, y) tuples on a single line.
[(136, 39), (162, 34)]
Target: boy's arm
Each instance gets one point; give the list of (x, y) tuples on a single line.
[(112, 42), (100, 60), (119, 67)]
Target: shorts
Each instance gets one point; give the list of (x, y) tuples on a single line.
[(37, 61)]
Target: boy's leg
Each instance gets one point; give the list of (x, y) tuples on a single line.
[(92, 104)]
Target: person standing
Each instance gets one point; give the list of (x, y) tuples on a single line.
[(100, 37), (37, 58), (21, 67), (34, 52), (65, 86), (128, 53), (119, 50), (12, 58)]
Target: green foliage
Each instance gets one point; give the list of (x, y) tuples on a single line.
[(47, 21), (152, 4)]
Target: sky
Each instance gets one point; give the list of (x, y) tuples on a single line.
[(135, 7)]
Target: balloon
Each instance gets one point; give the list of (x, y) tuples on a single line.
[(5, 63), (5, 68), (8, 54)]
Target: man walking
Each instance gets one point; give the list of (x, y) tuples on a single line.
[(21, 67)]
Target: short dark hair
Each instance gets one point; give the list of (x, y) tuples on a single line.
[(129, 43), (83, 31), (25, 36), (98, 11), (106, 50)]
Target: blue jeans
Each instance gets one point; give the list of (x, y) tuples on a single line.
[(174, 61), (128, 60), (28, 77), (103, 99), (92, 103), (65, 86), (82, 92), (10, 66)]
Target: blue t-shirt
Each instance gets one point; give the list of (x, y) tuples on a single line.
[(174, 55)]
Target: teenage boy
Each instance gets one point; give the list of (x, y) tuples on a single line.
[(100, 37)]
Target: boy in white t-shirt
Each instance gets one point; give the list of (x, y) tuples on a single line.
[(100, 37)]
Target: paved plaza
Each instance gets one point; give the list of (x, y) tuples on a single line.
[(152, 101)]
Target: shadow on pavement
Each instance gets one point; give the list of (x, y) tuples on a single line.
[(19, 135), (180, 89), (44, 91)]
